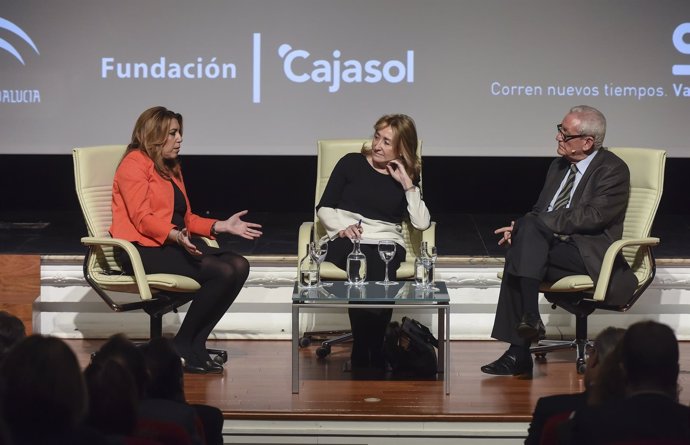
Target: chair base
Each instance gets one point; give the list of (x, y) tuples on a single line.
[(221, 356), (324, 350), (580, 346)]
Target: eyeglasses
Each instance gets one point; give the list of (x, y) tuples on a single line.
[(569, 137)]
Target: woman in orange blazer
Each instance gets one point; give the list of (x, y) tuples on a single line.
[(151, 209)]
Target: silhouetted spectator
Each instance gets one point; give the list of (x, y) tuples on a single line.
[(564, 404), (650, 410), (45, 400), (12, 330), (166, 399), (121, 350), (113, 399)]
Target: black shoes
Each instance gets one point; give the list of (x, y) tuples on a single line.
[(531, 327), (518, 361), (510, 363)]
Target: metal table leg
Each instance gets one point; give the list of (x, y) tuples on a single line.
[(295, 349), (446, 346), (442, 340)]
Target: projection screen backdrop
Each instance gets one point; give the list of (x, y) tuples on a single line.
[(263, 77)]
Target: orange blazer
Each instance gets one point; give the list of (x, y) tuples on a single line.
[(143, 204)]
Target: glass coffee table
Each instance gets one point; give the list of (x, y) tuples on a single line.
[(370, 295)]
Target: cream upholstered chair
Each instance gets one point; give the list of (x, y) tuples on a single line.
[(158, 294), (578, 294), (329, 153)]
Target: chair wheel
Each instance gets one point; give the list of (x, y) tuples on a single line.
[(304, 342), (323, 351), (540, 355), (581, 366), (219, 356)]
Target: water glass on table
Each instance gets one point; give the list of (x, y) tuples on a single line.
[(387, 253), (319, 250)]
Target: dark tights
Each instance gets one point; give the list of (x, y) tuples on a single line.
[(221, 276)]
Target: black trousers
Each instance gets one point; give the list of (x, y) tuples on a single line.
[(535, 253), (368, 325)]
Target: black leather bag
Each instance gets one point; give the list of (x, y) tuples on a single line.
[(410, 348)]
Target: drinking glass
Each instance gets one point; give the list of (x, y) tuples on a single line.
[(431, 268), (319, 250), (386, 252)]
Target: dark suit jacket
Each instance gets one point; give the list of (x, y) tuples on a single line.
[(550, 406), (644, 416), (594, 219)]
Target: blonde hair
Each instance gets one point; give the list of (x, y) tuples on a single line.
[(404, 140), (150, 134)]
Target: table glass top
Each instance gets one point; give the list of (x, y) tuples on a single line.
[(405, 292)]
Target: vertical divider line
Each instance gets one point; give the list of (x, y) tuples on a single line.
[(256, 74)]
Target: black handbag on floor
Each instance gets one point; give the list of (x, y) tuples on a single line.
[(410, 348)]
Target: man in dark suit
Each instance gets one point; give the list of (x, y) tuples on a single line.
[(564, 404), (578, 215)]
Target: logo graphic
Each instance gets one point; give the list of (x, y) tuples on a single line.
[(682, 47), (4, 44), (335, 71)]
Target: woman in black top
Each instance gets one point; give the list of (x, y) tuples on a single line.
[(367, 197)]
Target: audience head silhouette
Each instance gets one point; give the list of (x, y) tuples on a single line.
[(113, 398), (44, 390), (12, 330), (123, 351), (650, 358), (165, 368), (603, 378)]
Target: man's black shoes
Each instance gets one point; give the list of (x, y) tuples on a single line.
[(531, 327), (510, 363)]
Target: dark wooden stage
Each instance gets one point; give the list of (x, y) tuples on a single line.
[(256, 386)]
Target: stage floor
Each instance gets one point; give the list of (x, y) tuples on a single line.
[(460, 234), (256, 385)]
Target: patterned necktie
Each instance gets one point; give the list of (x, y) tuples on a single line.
[(564, 195)]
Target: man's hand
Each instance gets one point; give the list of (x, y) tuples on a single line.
[(506, 233)]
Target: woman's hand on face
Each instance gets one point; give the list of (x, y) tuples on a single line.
[(236, 226), (184, 241), (397, 170), (353, 231)]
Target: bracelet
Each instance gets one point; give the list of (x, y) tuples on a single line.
[(410, 188)]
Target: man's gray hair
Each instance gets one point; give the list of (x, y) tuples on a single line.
[(592, 123)]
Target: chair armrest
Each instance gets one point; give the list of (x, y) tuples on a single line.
[(304, 238), (429, 235), (132, 253), (209, 242), (609, 258)]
